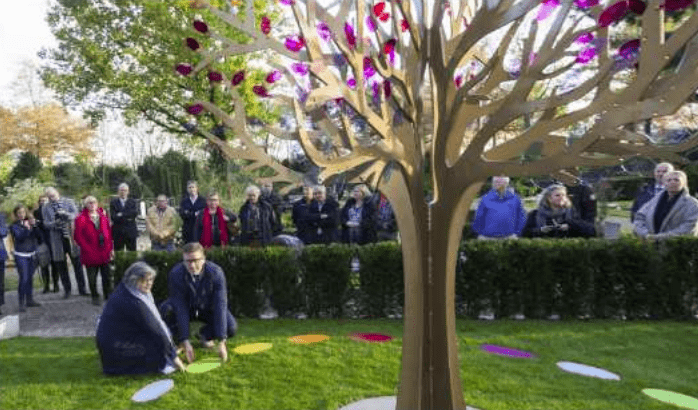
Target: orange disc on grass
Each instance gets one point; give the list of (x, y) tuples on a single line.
[(307, 339), (252, 348)]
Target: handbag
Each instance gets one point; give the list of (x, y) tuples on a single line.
[(42, 255)]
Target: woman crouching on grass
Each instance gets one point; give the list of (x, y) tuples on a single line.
[(131, 336), (26, 236)]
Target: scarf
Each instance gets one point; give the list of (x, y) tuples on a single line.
[(207, 234), (147, 298), (546, 215)]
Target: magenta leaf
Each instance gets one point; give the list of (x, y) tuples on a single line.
[(184, 69), (371, 24), (237, 78), (300, 68), (458, 80), (376, 88), (287, 2), (349, 33), (265, 25), (389, 49), (260, 90), (193, 44), (585, 4), (586, 55), (351, 83), (613, 13), (323, 31), (637, 6), (380, 12), (404, 25), (676, 5), (585, 38), (295, 43), (214, 76), (630, 50), (200, 26), (547, 8), (195, 109), (387, 88), (369, 71), (273, 77)]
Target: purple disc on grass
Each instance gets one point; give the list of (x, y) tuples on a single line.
[(507, 351)]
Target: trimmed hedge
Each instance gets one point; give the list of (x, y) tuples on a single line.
[(573, 278)]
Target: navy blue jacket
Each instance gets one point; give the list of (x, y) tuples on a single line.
[(188, 211), (644, 195), (300, 216), (124, 225), (208, 299), (328, 224), (130, 340), (3, 234), (25, 239)]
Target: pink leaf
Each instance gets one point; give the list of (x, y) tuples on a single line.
[(214, 76), (195, 109), (193, 44), (585, 38), (586, 55), (295, 43), (273, 77), (547, 8), (237, 78), (265, 25), (351, 83), (379, 11), (585, 4), (323, 31), (300, 68), (200, 26), (287, 2), (349, 33), (613, 13), (184, 69), (389, 49), (260, 90)]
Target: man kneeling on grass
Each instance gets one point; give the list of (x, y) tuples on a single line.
[(197, 291)]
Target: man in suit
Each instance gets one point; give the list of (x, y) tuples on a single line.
[(647, 192), (324, 216), (123, 211), (188, 210)]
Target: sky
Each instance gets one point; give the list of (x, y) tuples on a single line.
[(23, 32)]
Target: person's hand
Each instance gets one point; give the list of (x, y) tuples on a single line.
[(188, 351), (180, 365), (226, 218), (564, 227), (323, 216), (119, 214), (112, 255), (222, 351), (546, 229)]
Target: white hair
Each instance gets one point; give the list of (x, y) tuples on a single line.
[(89, 199), (668, 166), (252, 189), (320, 188), (123, 185), (50, 190)]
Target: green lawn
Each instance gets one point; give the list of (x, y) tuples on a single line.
[(66, 374)]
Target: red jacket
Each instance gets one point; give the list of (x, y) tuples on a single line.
[(87, 238)]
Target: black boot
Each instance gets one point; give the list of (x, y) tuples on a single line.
[(22, 308), (32, 303)]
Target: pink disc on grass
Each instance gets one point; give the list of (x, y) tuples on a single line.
[(507, 351), (371, 337)]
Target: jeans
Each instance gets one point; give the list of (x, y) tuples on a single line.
[(92, 272), (25, 270), (2, 281), (157, 246)]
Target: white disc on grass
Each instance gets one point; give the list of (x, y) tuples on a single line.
[(585, 370), (153, 390)]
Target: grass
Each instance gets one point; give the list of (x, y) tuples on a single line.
[(66, 374)]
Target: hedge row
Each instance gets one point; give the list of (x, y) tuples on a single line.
[(572, 278)]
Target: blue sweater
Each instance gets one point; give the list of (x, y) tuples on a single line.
[(499, 216), (25, 239), (130, 339), (207, 300)]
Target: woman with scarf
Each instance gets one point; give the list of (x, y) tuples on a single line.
[(358, 217), (93, 236), (556, 218), (131, 336), (214, 225), (26, 236)]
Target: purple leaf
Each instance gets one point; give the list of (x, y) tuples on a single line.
[(458, 80), (339, 60), (323, 31), (637, 6), (630, 50), (214, 76), (585, 38), (585, 4), (369, 71), (613, 13), (184, 69), (273, 77), (287, 2), (300, 68), (547, 8), (387, 88), (265, 25), (195, 109), (200, 26), (193, 44), (675, 5), (260, 90), (237, 78), (376, 87), (349, 33), (389, 49), (586, 55), (295, 43), (351, 83), (371, 24)]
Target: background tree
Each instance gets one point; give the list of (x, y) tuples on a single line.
[(44, 131), (28, 166), (357, 71)]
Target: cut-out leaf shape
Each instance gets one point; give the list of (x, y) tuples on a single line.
[(585, 38), (351, 83), (299, 68), (371, 24), (192, 43), (380, 12), (676, 5), (287, 2), (458, 80), (629, 50), (260, 90), (273, 77), (546, 9), (295, 43), (265, 25), (349, 33), (637, 6), (376, 87), (387, 88), (586, 55), (184, 69), (215, 76), (200, 26), (369, 71), (613, 13), (195, 109), (404, 25), (585, 4), (323, 31), (237, 78)]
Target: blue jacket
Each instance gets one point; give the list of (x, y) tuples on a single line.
[(208, 299), (499, 216), (643, 196), (188, 212), (3, 234), (25, 239), (130, 339)]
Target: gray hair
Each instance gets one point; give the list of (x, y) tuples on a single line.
[(137, 272), (320, 188), (252, 188), (668, 166), (161, 197), (49, 190), (123, 185), (89, 199)]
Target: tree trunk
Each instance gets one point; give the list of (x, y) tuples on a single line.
[(430, 375)]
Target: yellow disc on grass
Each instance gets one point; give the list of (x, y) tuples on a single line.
[(251, 348), (202, 366), (306, 339)]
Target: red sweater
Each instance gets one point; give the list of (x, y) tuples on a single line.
[(87, 237)]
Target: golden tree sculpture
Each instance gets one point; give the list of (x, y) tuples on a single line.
[(513, 87)]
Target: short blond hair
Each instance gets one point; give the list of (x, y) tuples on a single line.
[(682, 176), (89, 199)]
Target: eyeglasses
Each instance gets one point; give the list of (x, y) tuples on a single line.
[(192, 261)]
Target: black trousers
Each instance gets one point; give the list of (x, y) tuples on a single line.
[(121, 241), (62, 268), (92, 272)]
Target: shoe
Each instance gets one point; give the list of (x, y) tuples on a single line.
[(208, 344), (83, 293), (55, 289), (46, 290), (66, 295), (22, 308), (33, 304), (95, 301)]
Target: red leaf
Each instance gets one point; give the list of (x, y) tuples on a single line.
[(238, 77), (265, 25)]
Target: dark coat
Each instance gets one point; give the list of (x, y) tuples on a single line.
[(188, 212), (277, 205), (38, 215), (368, 222), (124, 224), (93, 250), (209, 299), (25, 239), (643, 196), (324, 229), (3, 234), (52, 223), (130, 339), (583, 200), (230, 226), (300, 216), (578, 228), (267, 223)]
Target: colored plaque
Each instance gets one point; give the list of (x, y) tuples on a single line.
[(677, 399), (202, 366), (379, 403), (252, 348), (507, 351), (371, 337), (153, 391), (307, 339), (584, 370)]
